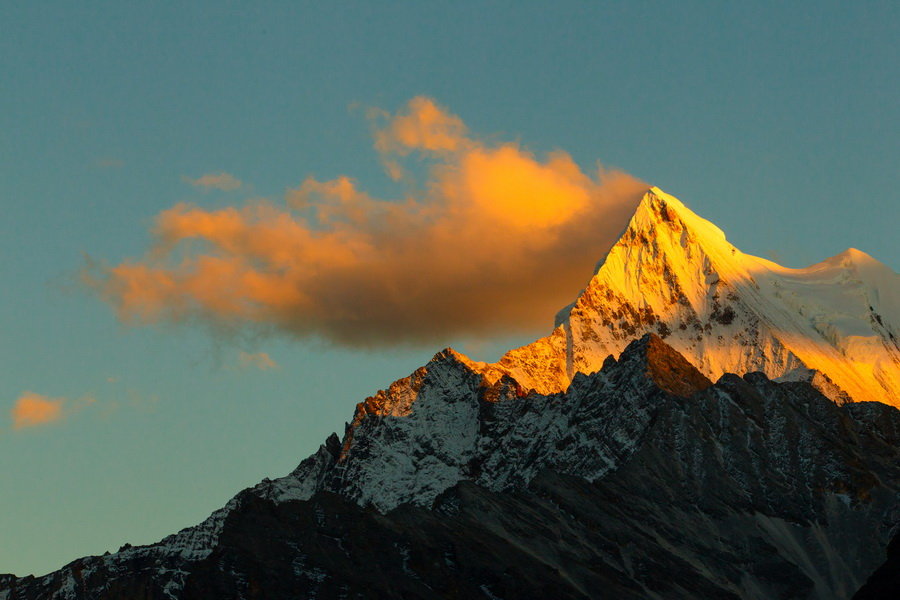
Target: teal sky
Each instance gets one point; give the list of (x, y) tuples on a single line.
[(778, 123)]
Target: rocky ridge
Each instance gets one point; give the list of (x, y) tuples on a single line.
[(644, 477)]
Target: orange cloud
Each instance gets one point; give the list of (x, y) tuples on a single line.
[(216, 181), (33, 409), (422, 126), (494, 241), (258, 360)]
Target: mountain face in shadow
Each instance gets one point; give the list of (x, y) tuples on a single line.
[(644, 480)]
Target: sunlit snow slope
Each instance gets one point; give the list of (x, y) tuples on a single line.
[(836, 323)]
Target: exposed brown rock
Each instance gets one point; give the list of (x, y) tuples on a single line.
[(670, 370)]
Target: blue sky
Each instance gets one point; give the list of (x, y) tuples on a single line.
[(778, 123)]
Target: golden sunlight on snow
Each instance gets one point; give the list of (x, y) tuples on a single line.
[(675, 274)]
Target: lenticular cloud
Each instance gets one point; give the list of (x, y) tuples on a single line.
[(492, 242)]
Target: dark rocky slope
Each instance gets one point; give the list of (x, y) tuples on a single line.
[(644, 480), (884, 584)]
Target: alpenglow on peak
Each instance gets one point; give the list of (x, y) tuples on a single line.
[(835, 323)]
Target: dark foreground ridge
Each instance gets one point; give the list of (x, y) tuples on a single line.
[(644, 480)]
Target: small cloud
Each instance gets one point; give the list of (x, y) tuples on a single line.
[(146, 403), (109, 163), (259, 360), (33, 409), (131, 399), (82, 402), (225, 182)]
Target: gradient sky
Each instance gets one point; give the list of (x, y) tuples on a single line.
[(778, 123)]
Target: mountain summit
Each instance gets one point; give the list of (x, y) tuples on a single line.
[(835, 323)]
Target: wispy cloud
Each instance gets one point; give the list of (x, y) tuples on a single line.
[(109, 163), (257, 360), (494, 240), (128, 399), (422, 127), (225, 182), (32, 410)]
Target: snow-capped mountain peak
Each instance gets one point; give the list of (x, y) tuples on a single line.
[(675, 274)]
